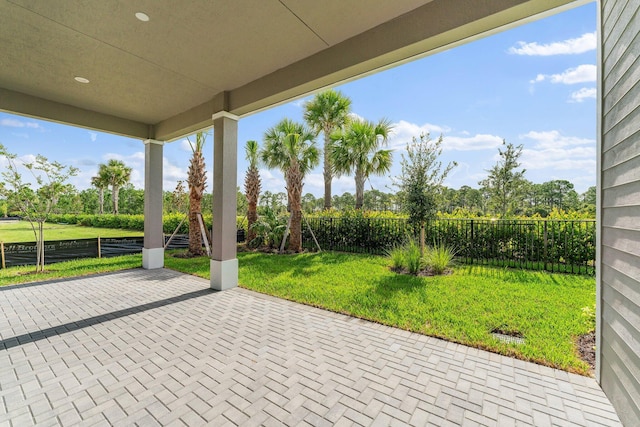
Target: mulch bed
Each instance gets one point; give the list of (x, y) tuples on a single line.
[(587, 348)]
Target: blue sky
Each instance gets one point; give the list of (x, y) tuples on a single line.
[(533, 85)]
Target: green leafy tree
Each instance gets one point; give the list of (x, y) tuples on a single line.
[(344, 202), (505, 184), (117, 175), (197, 180), (252, 185), (327, 112), (356, 149), (35, 205), (291, 147), (421, 181)]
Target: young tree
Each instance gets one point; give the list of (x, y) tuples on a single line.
[(504, 184), (421, 180), (197, 180), (327, 112), (252, 186), (35, 206), (291, 147), (356, 149)]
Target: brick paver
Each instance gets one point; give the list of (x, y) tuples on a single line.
[(158, 347)]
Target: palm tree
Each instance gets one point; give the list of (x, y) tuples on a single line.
[(327, 112), (101, 182), (116, 174), (252, 187), (197, 180), (290, 147), (356, 149)]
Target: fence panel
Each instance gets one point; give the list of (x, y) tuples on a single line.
[(553, 245)]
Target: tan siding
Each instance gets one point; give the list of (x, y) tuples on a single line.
[(619, 264), (622, 152), (627, 217), (622, 173)]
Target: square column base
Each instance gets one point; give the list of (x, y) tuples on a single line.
[(152, 258), (224, 274)]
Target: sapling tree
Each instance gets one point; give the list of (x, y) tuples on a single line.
[(421, 181), (35, 205)]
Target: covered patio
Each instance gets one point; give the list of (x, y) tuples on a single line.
[(157, 347), (158, 70)]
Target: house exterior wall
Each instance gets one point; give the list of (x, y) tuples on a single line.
[(618, 277)]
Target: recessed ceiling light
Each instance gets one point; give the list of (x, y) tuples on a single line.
[(142, 16), (81, 79)]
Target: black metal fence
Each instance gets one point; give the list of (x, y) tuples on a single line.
[(553, 245)]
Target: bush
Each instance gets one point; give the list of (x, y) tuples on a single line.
[(439, 258)]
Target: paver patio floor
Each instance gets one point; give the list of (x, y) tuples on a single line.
[(159, 348)]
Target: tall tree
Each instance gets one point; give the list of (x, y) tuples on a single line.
[(291, 147), (327, 112), (197, 180), (35, 206), (421, 180), (101, 182), (505, 183), (252, 186), (117, 174), (357, 149)]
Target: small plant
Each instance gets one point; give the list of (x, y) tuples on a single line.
[(439, 258), (589, 317), (269, 229), (413, 257), (396, 255)]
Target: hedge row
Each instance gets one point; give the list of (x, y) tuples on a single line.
[(132, 222)]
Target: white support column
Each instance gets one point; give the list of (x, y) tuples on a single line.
[(153, 250), (224, 264)]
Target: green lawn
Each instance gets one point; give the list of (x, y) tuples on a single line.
[(80, 267), (11, 232), (463, 307)]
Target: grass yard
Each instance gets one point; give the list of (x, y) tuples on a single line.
[(80, 267), (12, 232), (546, 309)]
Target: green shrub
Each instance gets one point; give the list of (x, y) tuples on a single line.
[(396, 255), (439, 258)]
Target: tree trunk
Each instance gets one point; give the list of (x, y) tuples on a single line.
[(115, 191), (328, 175), (101, 199), (295, 239), (252, 217), (359, 189), (195, 237)]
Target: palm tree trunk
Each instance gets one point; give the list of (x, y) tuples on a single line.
[(115, 191), (295, 239), (359, 189), (101, 199), (294, 191), (195, 237), (252, 217), (328, 175)]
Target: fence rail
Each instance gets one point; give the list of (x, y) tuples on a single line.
[(553, 245)]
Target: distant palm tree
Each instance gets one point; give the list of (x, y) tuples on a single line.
[(356, 149), (327, 112), (101, 182), (197, 180), (117, 175), (252, 186), (290, 147)]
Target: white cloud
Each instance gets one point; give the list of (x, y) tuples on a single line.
[(585, 73), (582, 94), (93, 136), (15, 123), (584, 43), (471, 143), (553, 139), (553, 151), (185, 146), (403, 132)]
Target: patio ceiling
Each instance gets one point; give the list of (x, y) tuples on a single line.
[(164, 78)]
